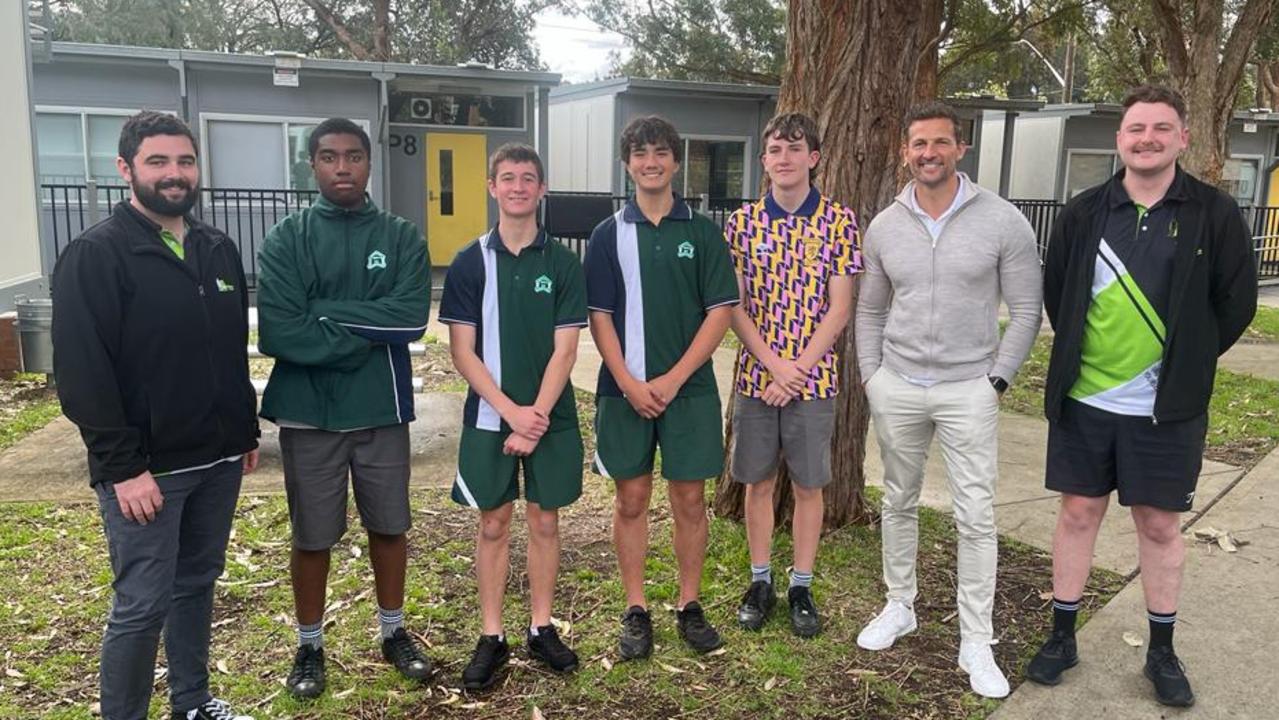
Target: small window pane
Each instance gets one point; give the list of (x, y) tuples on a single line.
[(1088, 170), (104, 146), (60, 146), (715, 168), (300, 175), (446, 182), (245, 155), (1239, 179)]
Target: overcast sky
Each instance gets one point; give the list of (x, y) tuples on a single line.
[(574, 46)]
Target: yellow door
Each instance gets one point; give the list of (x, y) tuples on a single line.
[(456, 193)]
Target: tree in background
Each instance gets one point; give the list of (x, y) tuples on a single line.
[(856, 66), (441, 32)]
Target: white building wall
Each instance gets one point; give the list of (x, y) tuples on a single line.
[(1036, 155), (990, 130), (20, 241), (581, 144)]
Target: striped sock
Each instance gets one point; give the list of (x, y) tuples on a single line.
[(312, 635), (1064, 613), (762, 573), (800, 578), (390, 620), (1161, 626)]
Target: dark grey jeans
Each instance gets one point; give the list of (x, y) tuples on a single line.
[(164, 575)]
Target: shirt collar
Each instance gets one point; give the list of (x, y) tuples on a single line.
[(679, 211), (494, 240), (806, 209), (1118, 196), (954, 204)]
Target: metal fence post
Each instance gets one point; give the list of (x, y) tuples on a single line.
[(91, 189)]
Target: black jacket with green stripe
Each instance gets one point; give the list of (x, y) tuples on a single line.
[(1213, 294), (341, 293)]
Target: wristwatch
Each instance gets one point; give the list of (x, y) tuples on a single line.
[(998, 383)]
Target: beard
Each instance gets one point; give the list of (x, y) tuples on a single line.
[(154, 200)]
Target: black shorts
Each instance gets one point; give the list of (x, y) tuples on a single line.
[(1092, 452)]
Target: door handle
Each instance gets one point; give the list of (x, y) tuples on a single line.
[(430, 196)]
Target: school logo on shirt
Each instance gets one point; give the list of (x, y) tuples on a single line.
[(224, 286), (542, 285), (686, 249), (376, 260)]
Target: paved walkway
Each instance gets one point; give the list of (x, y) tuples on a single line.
[(1258, 359), (1226, 628)]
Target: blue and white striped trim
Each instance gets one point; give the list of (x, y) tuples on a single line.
[(1066, 606)]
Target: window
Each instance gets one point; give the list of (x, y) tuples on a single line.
[(1088, 168), (258, 152), (61, 141), (436, 108), (714, 168), (1239, 179)]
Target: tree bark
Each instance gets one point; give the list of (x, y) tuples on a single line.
[(855, 67), (1206, 72)]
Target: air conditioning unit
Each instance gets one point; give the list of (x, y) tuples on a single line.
[(420, 108)]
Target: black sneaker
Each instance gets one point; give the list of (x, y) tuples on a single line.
[(756, 605), (214, 709), (1169, 677), (637, 634), (489, 657), (696, 631), (1058, 654), (547, 647), (804, 620), (402, 651), (306, 679)]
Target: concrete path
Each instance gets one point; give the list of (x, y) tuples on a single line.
[(50, 464), (1226, 628), (1258, 359)]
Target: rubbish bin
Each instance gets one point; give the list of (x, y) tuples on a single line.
[(35, 333)]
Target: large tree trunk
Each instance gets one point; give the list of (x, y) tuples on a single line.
[(1207, 72), (854, 66)]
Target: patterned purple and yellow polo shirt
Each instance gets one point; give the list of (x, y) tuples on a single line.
[(786, 260)]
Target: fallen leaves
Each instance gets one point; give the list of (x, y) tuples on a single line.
[(1223, 539), (1133, 639)]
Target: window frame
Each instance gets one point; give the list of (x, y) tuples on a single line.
[(524, 112), (747, 143), (284, 121), (1259, 163), (82, 112), (1071, 153)]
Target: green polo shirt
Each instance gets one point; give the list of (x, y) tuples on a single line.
[(516, 303), (658, 282)]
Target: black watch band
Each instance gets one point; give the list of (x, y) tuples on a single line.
[(998, 383)]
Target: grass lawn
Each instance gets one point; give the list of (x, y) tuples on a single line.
[(1243, 418), (51, 635), (1265, 326), (26, 405)]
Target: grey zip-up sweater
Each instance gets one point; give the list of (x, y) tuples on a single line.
[(929, 311)]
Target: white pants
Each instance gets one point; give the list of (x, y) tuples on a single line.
[(965, 416)]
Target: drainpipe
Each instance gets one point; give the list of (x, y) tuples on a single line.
[(184, 109), (383, 132)]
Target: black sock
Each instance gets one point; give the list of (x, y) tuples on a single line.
[(1161, 625), (1064, 612)]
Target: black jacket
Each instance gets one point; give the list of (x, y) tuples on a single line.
[(149, 350), (1213, 293)]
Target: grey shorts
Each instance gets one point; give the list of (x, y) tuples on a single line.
[(317, 464), (800, 432)]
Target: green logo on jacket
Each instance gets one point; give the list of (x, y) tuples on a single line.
[(542, 285), (686, 249), (224, 286), (376, 260)]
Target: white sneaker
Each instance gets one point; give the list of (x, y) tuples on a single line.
[(984, 676), (895, 620)]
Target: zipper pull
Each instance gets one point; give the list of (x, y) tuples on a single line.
[(201, 290)]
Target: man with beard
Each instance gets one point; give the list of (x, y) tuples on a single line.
[(150, 332), (1149, 277), (344, 288), (938, 261)]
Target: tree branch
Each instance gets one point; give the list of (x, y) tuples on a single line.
[(340, 29), (1168, 19), (1243, 36)]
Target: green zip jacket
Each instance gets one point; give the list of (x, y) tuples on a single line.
[(341, 294)]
